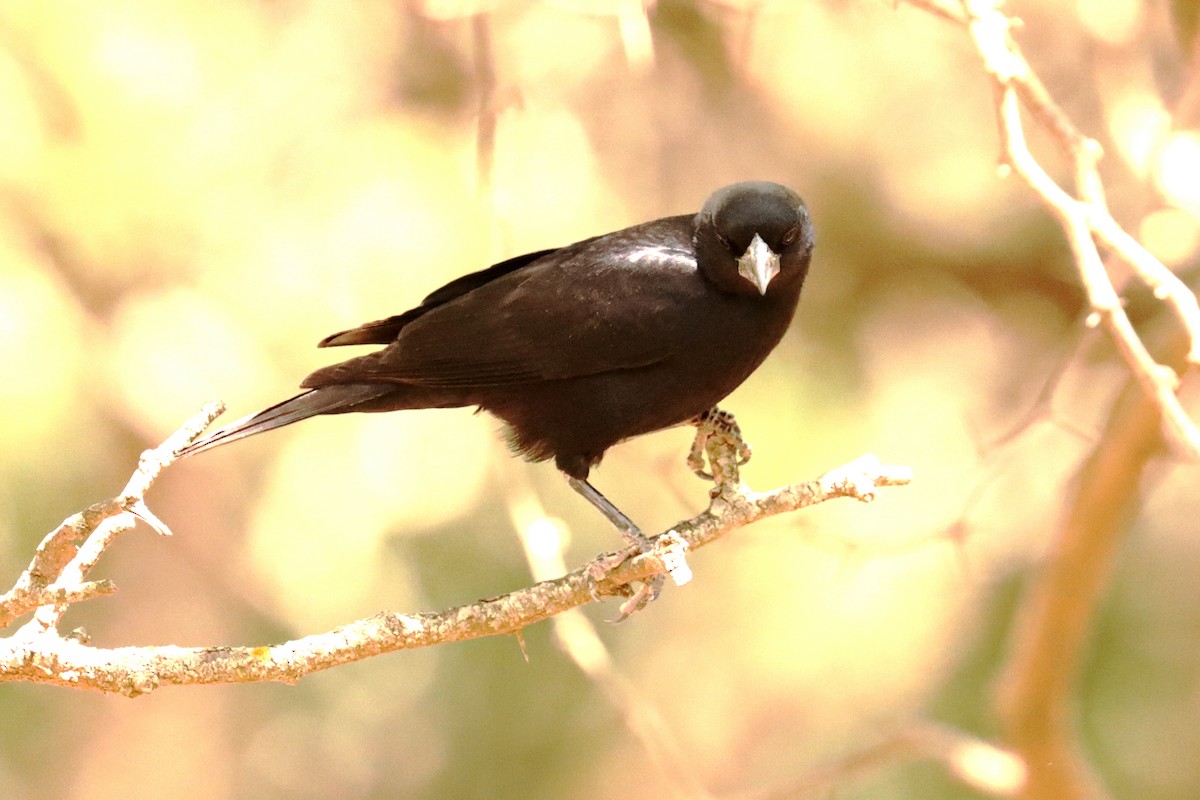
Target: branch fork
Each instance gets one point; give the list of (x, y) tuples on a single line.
[(1084, 214)]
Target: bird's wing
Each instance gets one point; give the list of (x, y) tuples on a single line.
[(385, 331), (620, 301)]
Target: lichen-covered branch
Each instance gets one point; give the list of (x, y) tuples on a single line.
[(37, 652)]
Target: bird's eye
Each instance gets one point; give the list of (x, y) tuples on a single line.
[(791, 236)]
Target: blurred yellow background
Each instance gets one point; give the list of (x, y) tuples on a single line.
[(195, 192)]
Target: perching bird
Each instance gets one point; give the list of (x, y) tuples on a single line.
[(580, 347)]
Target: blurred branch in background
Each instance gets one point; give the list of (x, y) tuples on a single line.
[(178, 178), (978, 764), (38, 653), (1053, 627), (1084, 218), (1038, 688)]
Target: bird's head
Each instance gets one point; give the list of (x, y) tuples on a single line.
[(752, 237)]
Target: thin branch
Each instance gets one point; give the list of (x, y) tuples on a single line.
[(1158, 381), (39, 654), (1086, 218), (57, 564), (19, 602)]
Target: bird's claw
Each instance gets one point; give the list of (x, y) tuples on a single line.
[(645, 594), (636, 599), (671, 548), (715, 422), (599, 569)]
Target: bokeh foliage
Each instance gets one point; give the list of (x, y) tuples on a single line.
[(195, 192)]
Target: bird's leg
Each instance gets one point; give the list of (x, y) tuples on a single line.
[(632, 534), (711, 423)]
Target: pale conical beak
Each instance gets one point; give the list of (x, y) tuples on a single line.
[(759, 264)]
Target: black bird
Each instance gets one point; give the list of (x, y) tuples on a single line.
[(580, 347)]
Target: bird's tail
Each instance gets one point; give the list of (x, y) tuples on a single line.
[(334, 399)]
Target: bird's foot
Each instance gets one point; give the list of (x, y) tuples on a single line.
[(670, 549), (711, 424), (602, 566), (636, 599)]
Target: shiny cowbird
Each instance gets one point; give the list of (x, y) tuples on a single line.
[(580, 347)]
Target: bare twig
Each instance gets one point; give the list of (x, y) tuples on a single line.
[(55, 575), (1084, 218), (20, 601)]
